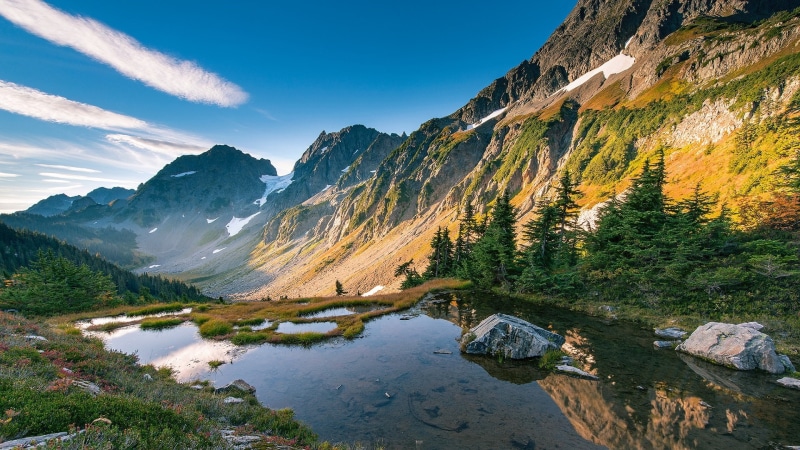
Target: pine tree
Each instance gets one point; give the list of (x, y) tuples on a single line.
[(440, 262), (495, 253), (339, 288)]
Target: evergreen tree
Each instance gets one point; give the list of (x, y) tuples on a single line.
[(54, 285), (339, 288), (412, 277), (440, 262), (495, 253)]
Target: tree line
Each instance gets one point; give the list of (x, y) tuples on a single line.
[(46, 276), (645, 248)]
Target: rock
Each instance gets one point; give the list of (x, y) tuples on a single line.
[(791, 383), (236, 386), (671, 332), (88, 386), (787, 363), (510, 337), (31, 441), (442, 352), (735, 346), (666, 344), (197, 387), (229, 400), (33, 337), (147, 377), (575, 371)]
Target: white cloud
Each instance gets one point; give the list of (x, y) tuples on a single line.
[(65, 176), (184, 79), (155, 145), (52, 108), (8, 175), (70, 168), (49, 180)]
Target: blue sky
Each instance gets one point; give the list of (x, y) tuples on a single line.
[(105, 93)]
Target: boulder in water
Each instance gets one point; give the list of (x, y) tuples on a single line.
[(740, 347), (511, 337)]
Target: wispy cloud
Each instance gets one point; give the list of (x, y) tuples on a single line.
[(49, 180), (52, 108), (184, 79), (70, 168), (69, 176), (8, 175), (155, 145)]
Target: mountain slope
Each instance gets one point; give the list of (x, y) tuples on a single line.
[(713, 84)]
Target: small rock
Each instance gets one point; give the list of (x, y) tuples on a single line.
[(34, 337), (608, 308), (197, 387), (88, 386), (666, 344), (671, 332), (388, 395), (641, 388), (575, 371), (442, 352), (236, 386), (787, 363), (791, 383), (233, 400), (147, 377), (705, 405)]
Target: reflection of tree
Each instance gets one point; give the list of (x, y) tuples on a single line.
[(647, 398)]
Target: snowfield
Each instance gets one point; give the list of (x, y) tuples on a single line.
[(184, 174), (274, 184), (236, 224), (487, 118), (373, 291), (617, 64)]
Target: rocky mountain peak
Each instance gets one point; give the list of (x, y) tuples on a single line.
[(596, 31)]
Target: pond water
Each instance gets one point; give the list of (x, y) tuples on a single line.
[(315, 327), (397, 386), (344, 311)]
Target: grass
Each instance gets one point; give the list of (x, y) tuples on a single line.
[(134, 411), (158, 323), (215, 328), (156, 309), (217, 321), (551, 358)]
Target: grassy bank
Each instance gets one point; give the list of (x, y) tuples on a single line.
[(47, 375), (784, 330)]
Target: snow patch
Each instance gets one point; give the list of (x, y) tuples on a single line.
[(373, 171), (274, 184), (211, 220), (154, 266), (617, 64), (184, 174), (153, 230), (487, 118), (346, 169), (236, 224), (326, 188), (203, 257), (373, 291), (217, 250), (323, 150)]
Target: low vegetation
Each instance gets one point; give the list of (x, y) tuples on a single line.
[(46, 385)]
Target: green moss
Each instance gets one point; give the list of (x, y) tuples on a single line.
[(160, 324), (156, 309)]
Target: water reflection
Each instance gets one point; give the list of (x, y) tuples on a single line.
[(316, 327), (392, 386)]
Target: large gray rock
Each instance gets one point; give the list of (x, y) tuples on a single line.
[(736, 346), (236, 386), (510, 337)]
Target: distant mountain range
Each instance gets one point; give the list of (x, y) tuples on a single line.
[(714, 84)]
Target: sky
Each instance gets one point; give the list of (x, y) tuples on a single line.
[(105, 93)]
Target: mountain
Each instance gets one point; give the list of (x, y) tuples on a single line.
[(714, 85), (60, 203)]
